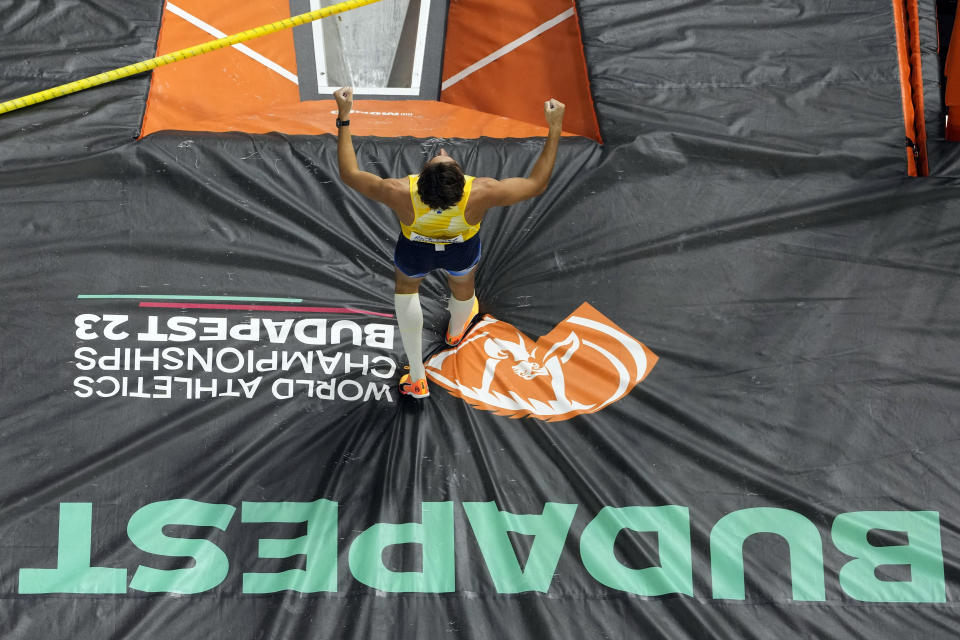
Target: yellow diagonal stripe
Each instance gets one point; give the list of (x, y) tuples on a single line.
[(183, 54)]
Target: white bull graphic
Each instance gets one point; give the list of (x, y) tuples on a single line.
[(526, 366), (490, 369)]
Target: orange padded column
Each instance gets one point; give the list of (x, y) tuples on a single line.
[(907, 23), (507, 57), (952, 92)]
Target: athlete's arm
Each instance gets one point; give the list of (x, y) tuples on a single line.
[(501, 193), (392, 192)]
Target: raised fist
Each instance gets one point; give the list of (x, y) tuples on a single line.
[(553, 111), (344, 98)]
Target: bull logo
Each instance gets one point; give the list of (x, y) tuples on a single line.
[(583, 365)]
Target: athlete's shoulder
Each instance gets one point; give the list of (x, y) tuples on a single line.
[(396, 186), (484, 192), (395, 192), (479, 187)]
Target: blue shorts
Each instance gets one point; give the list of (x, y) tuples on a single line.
[(417, 259)]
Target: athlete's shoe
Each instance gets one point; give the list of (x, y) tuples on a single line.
[(455, 340), (417, 389)]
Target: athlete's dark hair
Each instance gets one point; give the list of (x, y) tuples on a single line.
[(441, 184)]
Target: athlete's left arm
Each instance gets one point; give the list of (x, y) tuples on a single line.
[(502, 193), (392, 192)]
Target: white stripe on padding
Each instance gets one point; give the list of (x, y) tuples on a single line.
[(245, 50), (502, 51)]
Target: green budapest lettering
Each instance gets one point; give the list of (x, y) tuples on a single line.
[(491, 527), (806, 551), (318, 551), (922, 554), (672, 525), (145, 530), (74, 573), (319, 546), (435, 537)]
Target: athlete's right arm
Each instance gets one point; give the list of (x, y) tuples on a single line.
[(392, 192)]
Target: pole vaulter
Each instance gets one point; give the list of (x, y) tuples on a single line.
[(183, 54)]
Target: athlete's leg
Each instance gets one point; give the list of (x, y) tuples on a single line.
[(404, 284), (463, 304), (406, 300), (461, 286)]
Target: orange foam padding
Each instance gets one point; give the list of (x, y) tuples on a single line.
[(906, 91), (384, 118), (215, 87), (953, 124), (517, 84), (952, 90), (228, 91), (951, 67), (907, 24)]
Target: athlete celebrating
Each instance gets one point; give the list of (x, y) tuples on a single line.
[(440, 211)]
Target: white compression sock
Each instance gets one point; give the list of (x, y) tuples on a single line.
[(410, 321), (460, 313)]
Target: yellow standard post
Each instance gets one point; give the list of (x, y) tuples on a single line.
[(183, 54)]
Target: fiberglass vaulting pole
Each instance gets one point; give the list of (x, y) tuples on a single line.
[(183, 54)]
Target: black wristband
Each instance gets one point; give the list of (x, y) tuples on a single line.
[(342, 123)]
